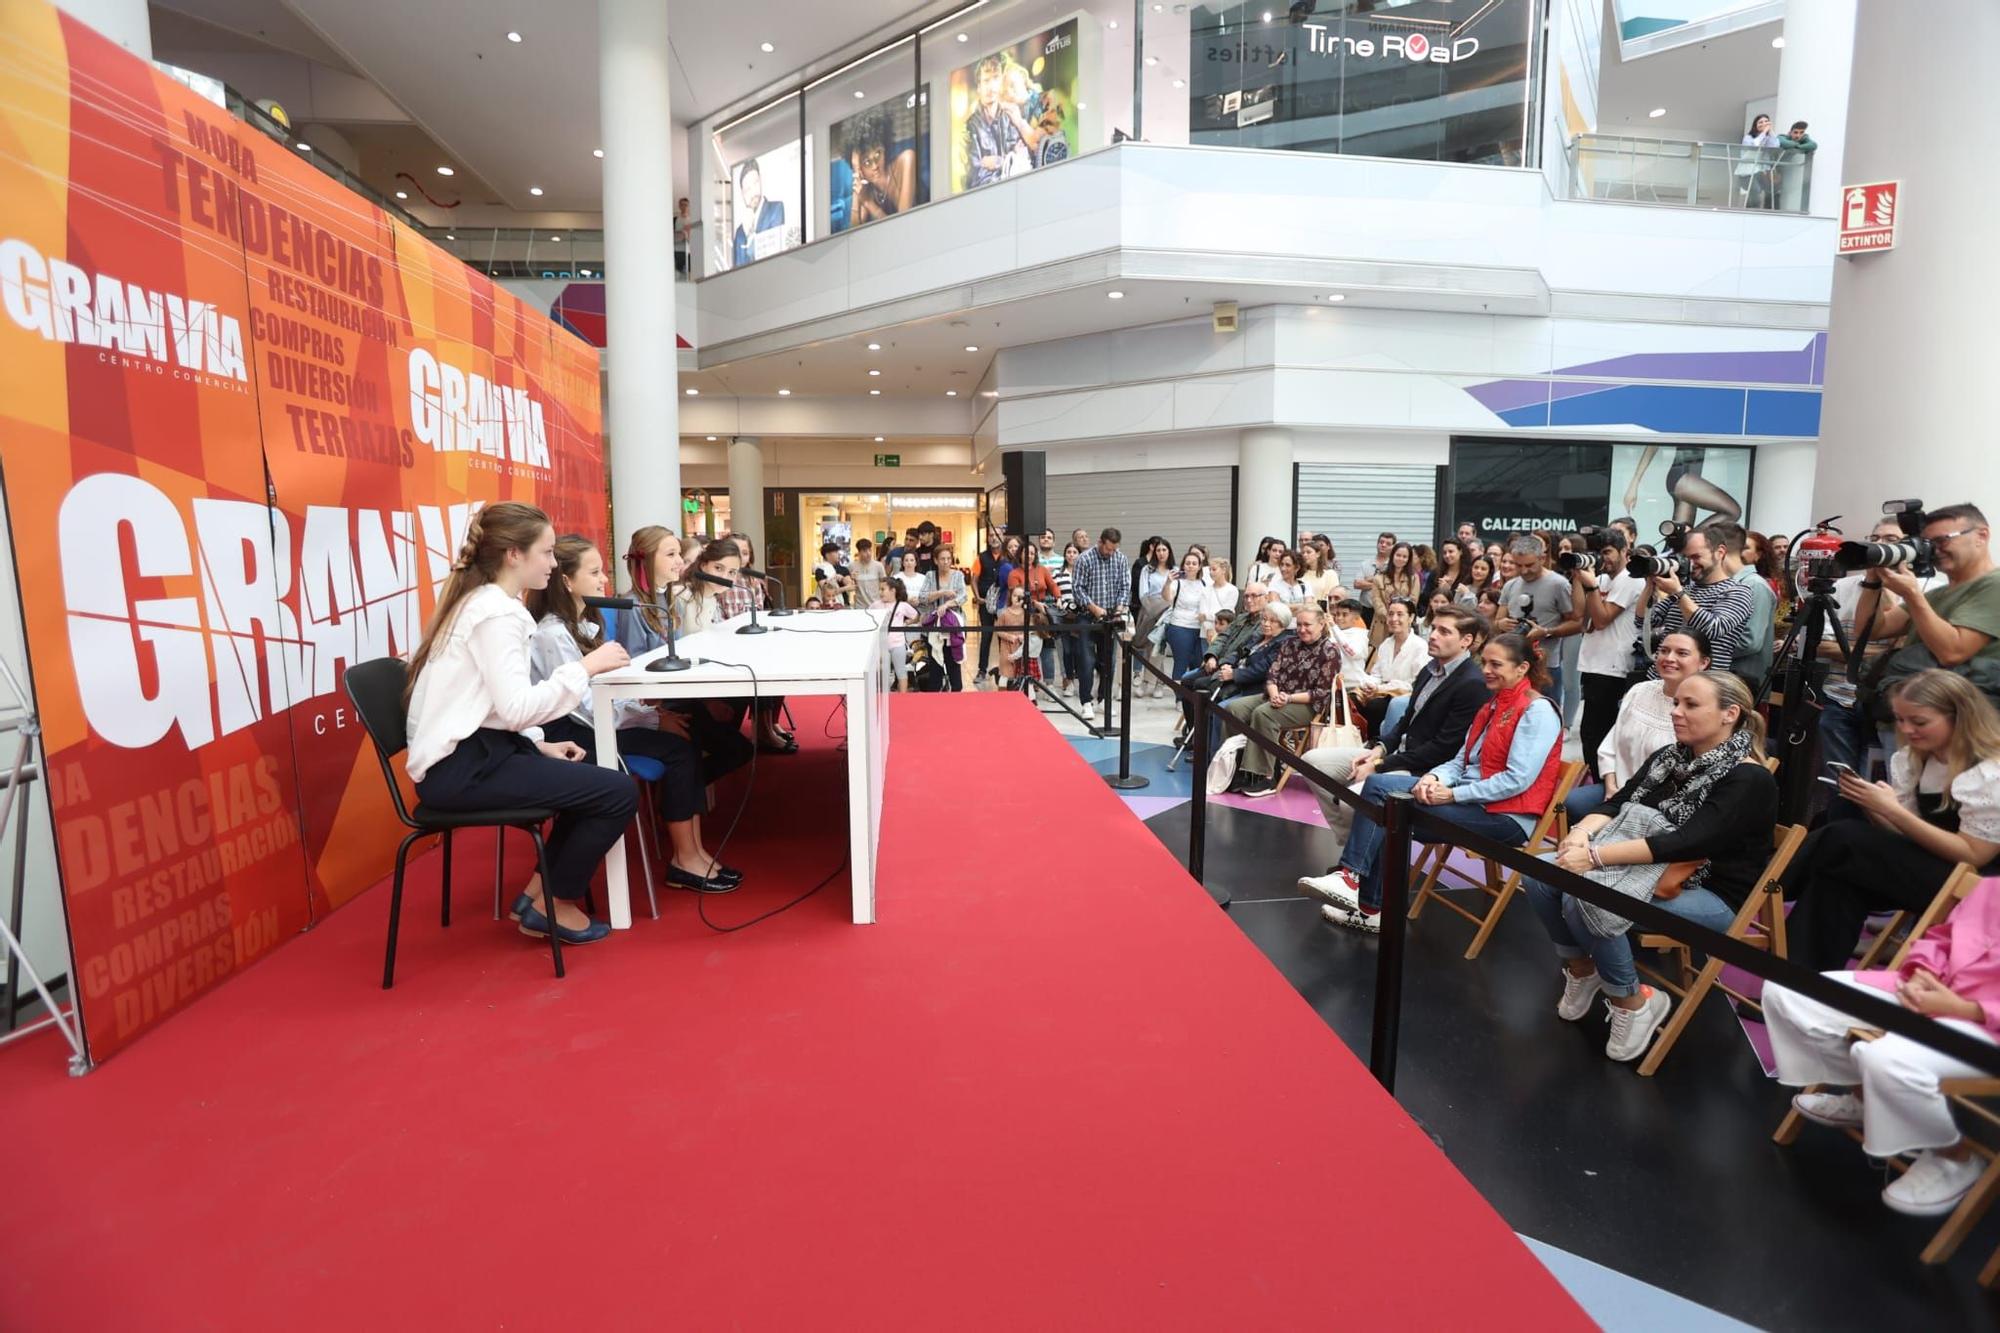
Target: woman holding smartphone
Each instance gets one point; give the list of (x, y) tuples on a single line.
[(1940, 807)]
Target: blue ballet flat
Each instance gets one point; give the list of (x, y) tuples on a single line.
[(522, 906), (534, 923)]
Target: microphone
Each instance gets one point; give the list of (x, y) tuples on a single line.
[(610, 603), (716, 579), (775, 582)]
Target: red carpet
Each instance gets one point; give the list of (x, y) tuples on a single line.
[(1068, 1096)]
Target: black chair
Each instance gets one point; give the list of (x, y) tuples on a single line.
[(377, 691)]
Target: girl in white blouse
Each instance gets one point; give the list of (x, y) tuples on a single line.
[(474, 716), (564, 632)]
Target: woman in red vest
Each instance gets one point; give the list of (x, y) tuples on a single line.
[(1706, 800), (1496, 786)]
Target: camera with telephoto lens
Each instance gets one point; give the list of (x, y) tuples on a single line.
[(1912, 552), (1650, 562), (1590, 538)]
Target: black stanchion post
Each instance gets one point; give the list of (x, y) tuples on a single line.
[(1394, 859), (1124, 779), (1198, 814)]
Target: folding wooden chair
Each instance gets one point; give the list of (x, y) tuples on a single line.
[(1760, 922), (1964, 1093), (1541, 839), (1340, 711)]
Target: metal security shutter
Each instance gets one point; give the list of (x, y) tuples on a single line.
[(1185, 504), (1352, 502)]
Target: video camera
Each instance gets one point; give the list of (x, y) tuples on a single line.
[(1650, 562), (1913, 552)]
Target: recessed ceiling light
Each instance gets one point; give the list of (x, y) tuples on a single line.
[(597, 152), (708, 437), (874, 347), (583, 273), (874, 372), (1656, 113), (513, 36), (446, 171), (1180, 83), (402, 194), (1115, 296), (1113, 23), (951, 393), (972, 347), (1336, 296), (1778, 42), (859, 93), (784, 393), (874, 393), (449, 237), (964, 38), (1152, 61), (692, 393), (1083, 106), (303, 146), (766, 48), (535, 190), (555, 238), (878, 439), (1267, 16)]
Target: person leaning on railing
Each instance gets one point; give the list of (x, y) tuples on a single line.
[(1706, 800), (1940, 807), (1952, 974), (1497, 784)]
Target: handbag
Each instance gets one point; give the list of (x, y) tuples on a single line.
[(1339, 730), (1635, 881), (1222, 768)]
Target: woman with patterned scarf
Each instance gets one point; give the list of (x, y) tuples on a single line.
[(1707, 800)]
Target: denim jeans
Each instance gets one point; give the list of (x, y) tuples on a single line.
[(1392, 720), (1184, 641), (1473, 818), (1582, 800), (1562, 917), (1365, 843), (1093, 666)]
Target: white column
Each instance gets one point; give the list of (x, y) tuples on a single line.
[(1263, 492), (1782, 488), (746, 492), (1907, 412), (125, 22), (1813, 78), (642, 398)]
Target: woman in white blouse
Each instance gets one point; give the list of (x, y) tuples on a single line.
[(1939, 808), (1645, 720), (1288, 584), (564, 632), (1398, 658), (1264, 568), (1223, 594), (474, 716)]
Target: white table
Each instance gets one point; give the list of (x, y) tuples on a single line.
[(839, 653)]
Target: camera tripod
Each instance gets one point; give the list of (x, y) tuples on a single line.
[(1797, 664)]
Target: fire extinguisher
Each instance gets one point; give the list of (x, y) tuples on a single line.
[(1812, 557)]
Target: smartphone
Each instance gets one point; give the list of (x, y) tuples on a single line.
[(1837, 769)]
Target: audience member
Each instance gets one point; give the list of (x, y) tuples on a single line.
[(1101, 585), (1322, 583), (1757, 643), (1537, 603), (1705, 801), (1398, 658), (1940, 807), (1364, 584), (1957, 626), (1713, 604), (1453, 571), (943, 605), (1889, 1087), (1188, 606), (1290, 588), (1349, 636), (1642, 723), (1264, 568), (869, 575), (1496, 786), (1297, 688), (902, 611)]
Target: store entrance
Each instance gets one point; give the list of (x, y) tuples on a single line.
[(882, 517)]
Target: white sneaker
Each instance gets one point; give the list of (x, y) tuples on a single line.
[(1578, 992), (1835, 1110), (1934, 1184), (1368, 923), (1338, 887), (1632, 1030)]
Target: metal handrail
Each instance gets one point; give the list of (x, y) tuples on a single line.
[(1689, 173)]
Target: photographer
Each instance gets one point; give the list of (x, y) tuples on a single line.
[(1956, 627), (1537, 604), (1604, 659), (1709, 601), (1844, 727)]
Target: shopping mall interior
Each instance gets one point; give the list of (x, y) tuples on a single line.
[(1145, 990)]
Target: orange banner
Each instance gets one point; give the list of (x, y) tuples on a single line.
[(244, 417)]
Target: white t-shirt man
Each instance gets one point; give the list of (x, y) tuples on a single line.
[(1608, 651)]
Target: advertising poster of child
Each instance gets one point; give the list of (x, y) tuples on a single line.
[(766, 212), (875, 170), (1014, 109)]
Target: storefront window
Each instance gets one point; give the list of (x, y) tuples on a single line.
[(1429, 79), (754, 191), (883, 517), (1505, 487)]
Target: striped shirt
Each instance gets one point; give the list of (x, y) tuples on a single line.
[(1722, 612)]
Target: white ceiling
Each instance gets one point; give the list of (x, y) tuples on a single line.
[(1703, 86), (525, 114)]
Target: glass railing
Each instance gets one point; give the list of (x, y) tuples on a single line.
[(1689, 173), (993, 90)]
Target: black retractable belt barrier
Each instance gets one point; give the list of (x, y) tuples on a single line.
[(1421, 825)]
